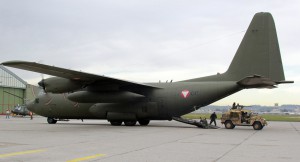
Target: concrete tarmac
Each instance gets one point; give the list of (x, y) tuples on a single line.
[(22, 139)]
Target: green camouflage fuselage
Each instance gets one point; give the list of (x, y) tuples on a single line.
[(173, 99)]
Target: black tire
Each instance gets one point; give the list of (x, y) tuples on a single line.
[(116, 123), (229, 125), (51, 120), (130, 123), (144, 122), (257, 126)]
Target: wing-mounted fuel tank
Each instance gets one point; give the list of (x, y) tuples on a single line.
[(60, 85), (104, 97)]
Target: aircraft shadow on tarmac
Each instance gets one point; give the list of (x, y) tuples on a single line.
[(107, 125), (123, 126)]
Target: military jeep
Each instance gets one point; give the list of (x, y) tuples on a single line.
[(242, 117)]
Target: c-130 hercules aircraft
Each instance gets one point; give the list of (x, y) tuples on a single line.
[(78, 95)]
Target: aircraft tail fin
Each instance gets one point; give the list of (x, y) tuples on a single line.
[(258, 53), (257, 56)]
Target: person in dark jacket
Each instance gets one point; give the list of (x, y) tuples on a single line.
[(213, 118)]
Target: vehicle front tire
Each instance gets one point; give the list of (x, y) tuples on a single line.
[(229, 125), (130, 123), (144, 122), (257, 126), (51, 120)]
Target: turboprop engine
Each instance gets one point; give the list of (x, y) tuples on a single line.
[(59, 85)]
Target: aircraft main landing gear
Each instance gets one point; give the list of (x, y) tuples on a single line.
[(144, 122), (129, 122), (116, 122)]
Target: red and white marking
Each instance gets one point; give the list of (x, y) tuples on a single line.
[(185, 93)]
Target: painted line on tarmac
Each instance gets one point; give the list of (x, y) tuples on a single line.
[(21, 153), (86, 158)]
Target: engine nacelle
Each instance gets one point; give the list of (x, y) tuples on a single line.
[(59, 85), (103, 97)]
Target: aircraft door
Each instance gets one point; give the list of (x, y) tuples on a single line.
[(162, 108)]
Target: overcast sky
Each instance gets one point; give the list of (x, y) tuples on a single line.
[(147, 41)]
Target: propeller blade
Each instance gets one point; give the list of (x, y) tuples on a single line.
[(42, 84)]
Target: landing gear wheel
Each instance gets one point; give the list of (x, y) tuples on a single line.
[(130, 123), (144, 122), (116, 123), (257, 126), (51, 120), (229, 125)]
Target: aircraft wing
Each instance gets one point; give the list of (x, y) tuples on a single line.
[(73, 75)]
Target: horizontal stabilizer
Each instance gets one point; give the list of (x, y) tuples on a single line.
[(257, 82)]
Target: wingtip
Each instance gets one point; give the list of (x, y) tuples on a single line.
[(13, 62)]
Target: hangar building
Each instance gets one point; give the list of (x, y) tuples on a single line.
[(14, 90)]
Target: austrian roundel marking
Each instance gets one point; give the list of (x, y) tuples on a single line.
[(185, 93)]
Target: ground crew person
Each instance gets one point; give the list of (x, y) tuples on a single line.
[(213, 118), (205, 123), (7, 114), (30, 114), (233, 106)]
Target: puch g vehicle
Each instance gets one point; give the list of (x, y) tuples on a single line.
[(242, 117)]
